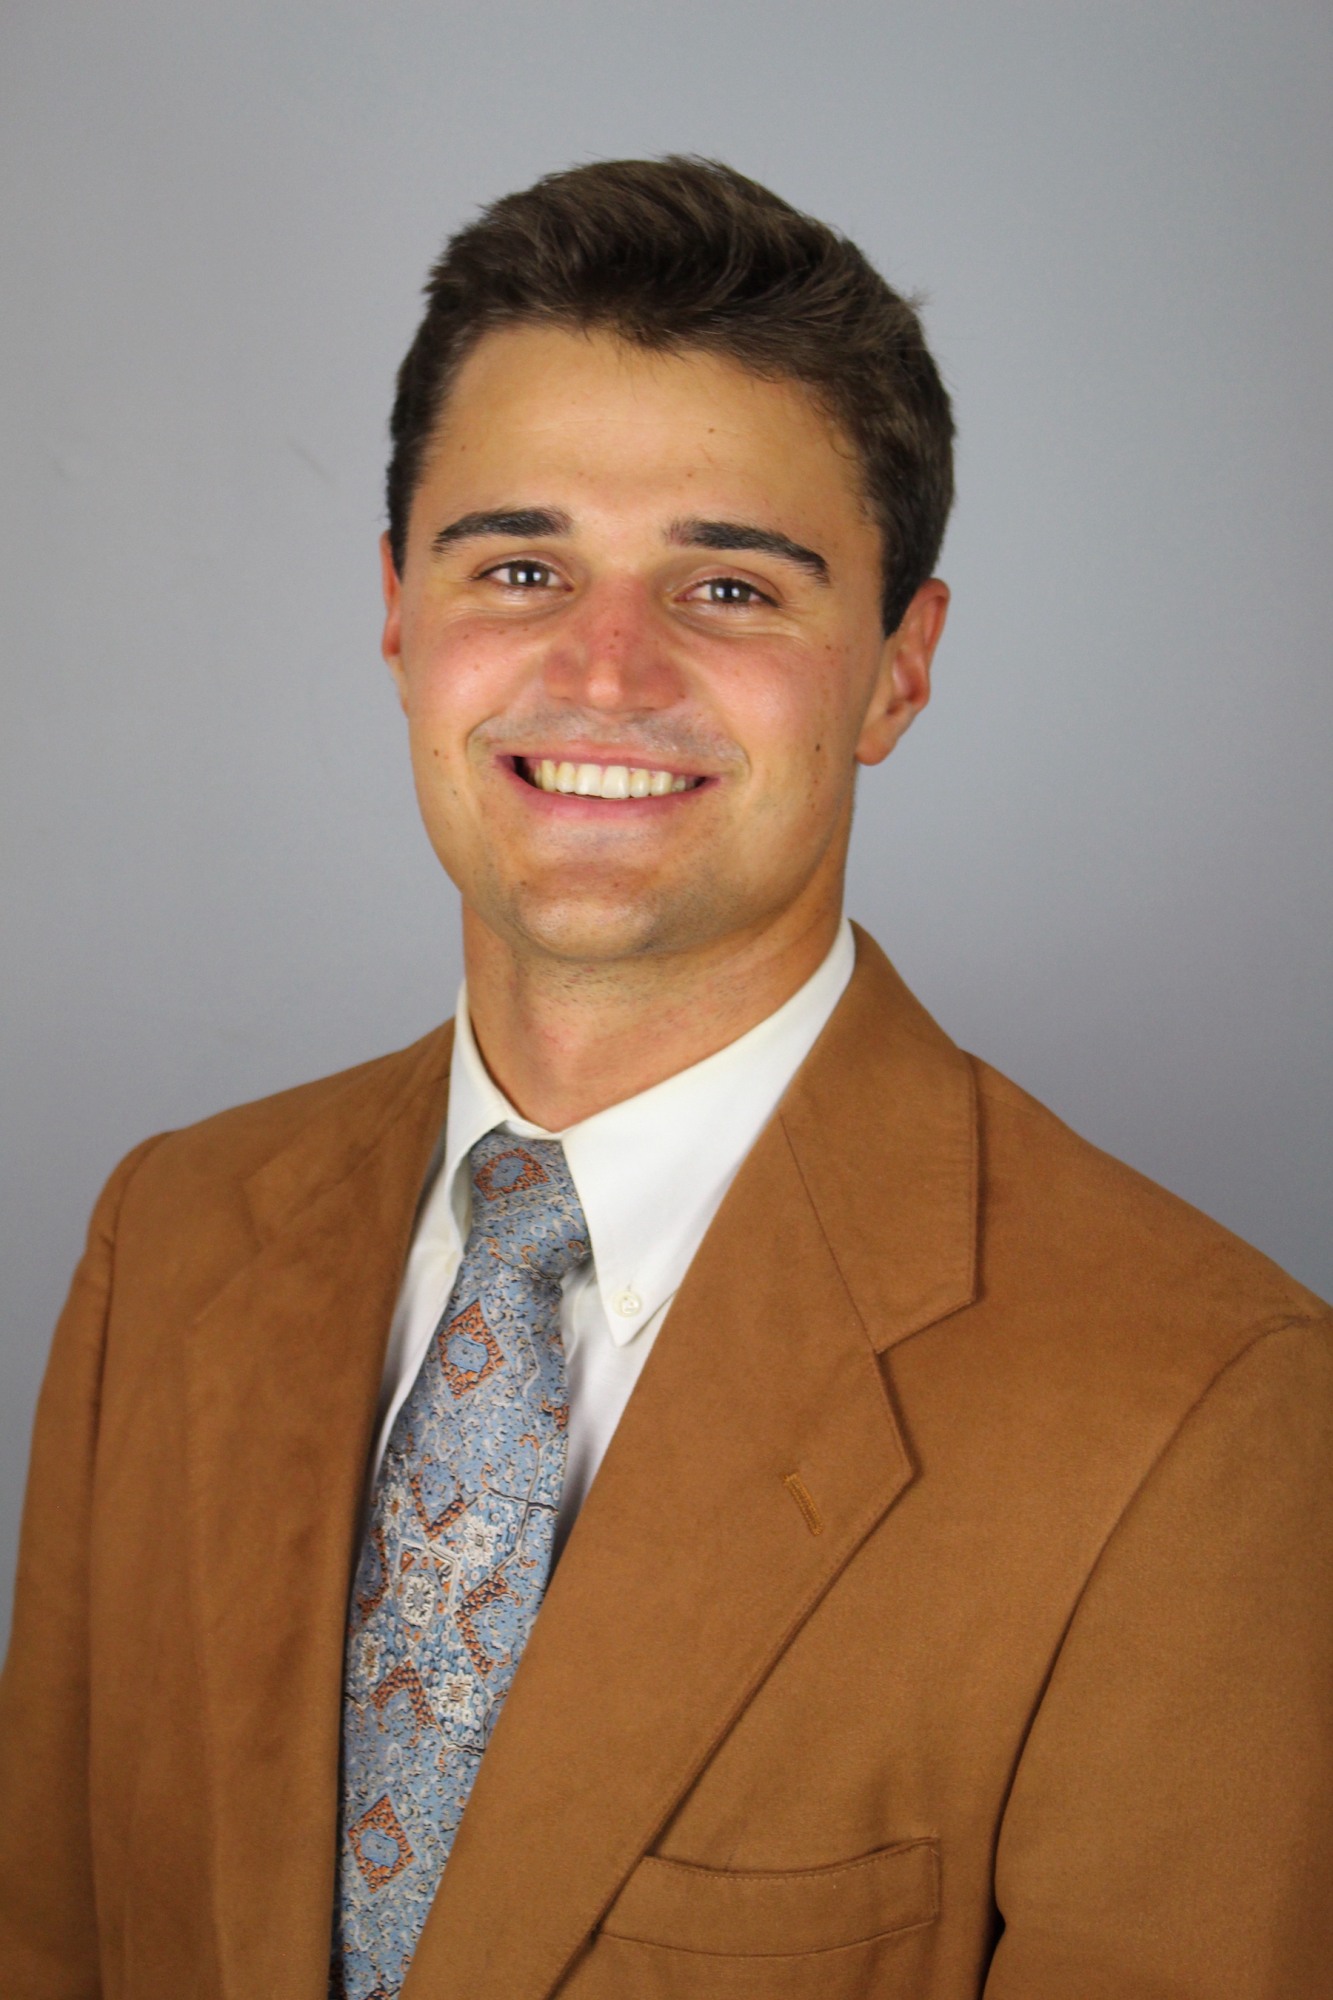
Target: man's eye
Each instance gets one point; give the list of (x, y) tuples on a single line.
[(523, 574), (731, 590)]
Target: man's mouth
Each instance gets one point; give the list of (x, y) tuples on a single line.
[(601, 781)]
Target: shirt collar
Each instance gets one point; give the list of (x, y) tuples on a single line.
[(652, 1170)]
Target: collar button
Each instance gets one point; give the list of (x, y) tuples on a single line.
[(627, 1304)]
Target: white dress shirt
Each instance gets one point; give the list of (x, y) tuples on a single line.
[(650, 1172)]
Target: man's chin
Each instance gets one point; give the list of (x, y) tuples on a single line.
[(591, 929)]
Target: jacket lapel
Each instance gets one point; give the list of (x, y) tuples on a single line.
[(755, 1456), (282, 1385), (884, 1121)]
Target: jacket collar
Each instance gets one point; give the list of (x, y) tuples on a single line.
[(395, 1106), (883, 1121)]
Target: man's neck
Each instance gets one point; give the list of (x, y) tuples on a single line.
[(564, 1041)]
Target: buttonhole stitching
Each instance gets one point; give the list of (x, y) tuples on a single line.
[(800, 1493)]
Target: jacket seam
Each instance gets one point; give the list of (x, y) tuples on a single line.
[(761, 1878), (109, 1235), (824, 1236), (134, 1161), (771, 1957)]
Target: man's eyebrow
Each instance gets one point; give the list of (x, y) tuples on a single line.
[(740, 535), (521, 521)]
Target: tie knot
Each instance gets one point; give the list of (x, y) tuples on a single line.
[(525, 1203)]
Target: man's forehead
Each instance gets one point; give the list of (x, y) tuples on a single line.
[(536, 409), (548, 379)]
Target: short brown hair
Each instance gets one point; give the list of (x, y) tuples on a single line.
[(679, 253)]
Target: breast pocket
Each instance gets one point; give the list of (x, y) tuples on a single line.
[(677, 1932)]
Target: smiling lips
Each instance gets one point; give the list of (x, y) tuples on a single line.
[(601, 781)]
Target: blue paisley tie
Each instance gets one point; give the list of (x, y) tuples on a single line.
[(456, 1557)]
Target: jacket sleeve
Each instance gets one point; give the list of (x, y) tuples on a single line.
[(48, 1924), (1169, 1832)]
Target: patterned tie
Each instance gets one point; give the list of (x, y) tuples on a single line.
[(456, 1557)]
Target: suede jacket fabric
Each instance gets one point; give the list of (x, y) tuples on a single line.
[(952, 1615)]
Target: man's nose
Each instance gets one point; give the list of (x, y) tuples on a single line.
[(613, 652)]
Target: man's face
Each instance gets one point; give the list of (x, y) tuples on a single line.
[(637, 639)]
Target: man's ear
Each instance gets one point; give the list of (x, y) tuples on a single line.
[(391, 641), (902, 684)]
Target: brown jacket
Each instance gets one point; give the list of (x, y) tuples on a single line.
[(952, 1615)]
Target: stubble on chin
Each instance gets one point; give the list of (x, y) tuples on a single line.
[(603, 927)]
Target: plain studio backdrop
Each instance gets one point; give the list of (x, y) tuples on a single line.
[(1102, 858)]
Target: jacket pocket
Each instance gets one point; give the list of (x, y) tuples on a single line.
[(762, 1913)]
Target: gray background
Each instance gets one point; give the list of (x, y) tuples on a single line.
[(1103, 857)]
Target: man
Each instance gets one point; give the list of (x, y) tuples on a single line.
[(683, 1483)]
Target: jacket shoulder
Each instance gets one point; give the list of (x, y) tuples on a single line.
[(185, 1204), (1086, 1227), (236, 1141)]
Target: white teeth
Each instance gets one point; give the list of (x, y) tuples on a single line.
[(602, 781)]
